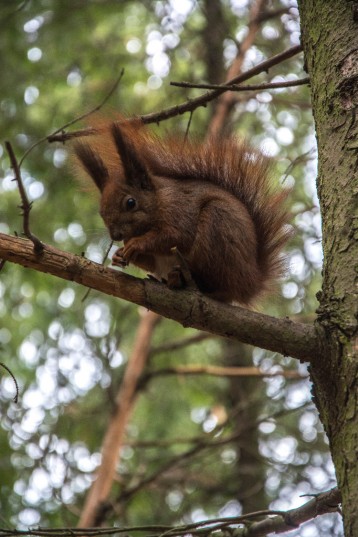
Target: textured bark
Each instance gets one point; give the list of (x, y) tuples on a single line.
[(188, 307), (330, 39)]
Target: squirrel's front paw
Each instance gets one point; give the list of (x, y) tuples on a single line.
[(132, 249), (118, 258)]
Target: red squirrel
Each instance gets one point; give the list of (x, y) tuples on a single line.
[(213, 201)]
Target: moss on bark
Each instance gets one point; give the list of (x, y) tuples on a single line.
[(330, 40)]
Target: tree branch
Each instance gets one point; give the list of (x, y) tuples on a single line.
[(202, 100), (218, 371), (51, 137), (25, 204), (187, 307), (326, 502), (170, 346), (282, 521), (250, 87)]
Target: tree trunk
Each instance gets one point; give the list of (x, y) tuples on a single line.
[(330, 39)]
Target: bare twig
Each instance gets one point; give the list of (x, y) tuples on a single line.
[(202, 100), (202, 444), (251, 87), (268, 15), (52, 137), (105, 256), (188, 126), (25, 204), (274, 521), (326, 502), (180, 343), (16, 396), (218, 371), (299, 160), (211, 442)]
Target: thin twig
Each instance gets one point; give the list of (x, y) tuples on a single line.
[(106, 253), (25, 204), (193, 104), (52, 137), (301, 159), (218, 371), (251, 87), (268, 15), (202, 444), (204, 99), (188, 127), (274, 521), (180, 343), (16, 397)]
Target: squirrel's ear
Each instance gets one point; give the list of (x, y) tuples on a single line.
[(92, 163), (135, 171)]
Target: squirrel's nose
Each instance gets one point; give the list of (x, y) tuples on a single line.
[(115, 234)]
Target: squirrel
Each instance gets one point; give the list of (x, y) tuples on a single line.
[(213, 201)]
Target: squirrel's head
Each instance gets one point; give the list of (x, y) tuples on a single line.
[(128, 199)]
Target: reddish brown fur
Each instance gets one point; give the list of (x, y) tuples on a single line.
[(213, 201)]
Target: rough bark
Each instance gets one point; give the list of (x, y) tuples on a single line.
[(188, 307), (330, 39)]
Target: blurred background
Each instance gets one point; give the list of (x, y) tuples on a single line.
[(194, 445)]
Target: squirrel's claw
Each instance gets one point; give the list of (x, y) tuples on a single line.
[(118, 258), (132, 249)]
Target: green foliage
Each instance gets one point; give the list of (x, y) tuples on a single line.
[(59, 60)]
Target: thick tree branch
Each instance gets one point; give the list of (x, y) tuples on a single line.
[(187, 307)]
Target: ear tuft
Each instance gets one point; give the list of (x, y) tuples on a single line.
[(92, 163), (135, 170)]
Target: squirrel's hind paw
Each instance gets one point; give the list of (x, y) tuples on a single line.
[(176, 278)]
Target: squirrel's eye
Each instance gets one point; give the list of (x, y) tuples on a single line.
[(130, 204)]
